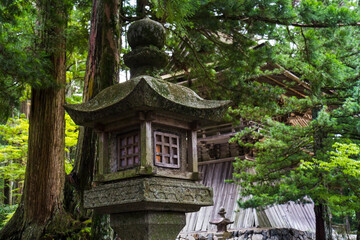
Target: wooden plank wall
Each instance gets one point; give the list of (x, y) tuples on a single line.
[(291, 215)]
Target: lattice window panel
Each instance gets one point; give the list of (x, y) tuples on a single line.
[(128, 150), (166, 150)]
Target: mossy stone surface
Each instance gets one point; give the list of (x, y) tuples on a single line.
[(145, 93), (145, 61), (146, 32), (148, 225), (148, 194)]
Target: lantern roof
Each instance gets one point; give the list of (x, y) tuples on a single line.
[(146, 93)]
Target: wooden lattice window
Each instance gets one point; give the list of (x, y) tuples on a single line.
[(166, 150), (128, 150)]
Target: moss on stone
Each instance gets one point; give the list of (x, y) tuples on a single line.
[(147, 93), (145, 61), (146, 32)]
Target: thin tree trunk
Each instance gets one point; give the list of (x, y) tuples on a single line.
[(323, 229), (140, 7), (19, 186), (358, 226), (44, 178), (8, 191), (25, 108), (322, 213)]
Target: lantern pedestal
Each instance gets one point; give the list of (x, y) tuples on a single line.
[(148, 194), (148, 225), (148, 207)]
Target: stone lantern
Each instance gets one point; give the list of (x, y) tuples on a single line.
[(222, 222), (147, 171)]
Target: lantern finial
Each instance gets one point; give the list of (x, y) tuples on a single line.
[(146, 39)]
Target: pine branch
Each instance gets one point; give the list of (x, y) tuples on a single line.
[(284, 22), (188, 42), (350, 55), (306, 47)]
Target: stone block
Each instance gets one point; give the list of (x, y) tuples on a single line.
[(148, 225), (257, 237), (146, 194)]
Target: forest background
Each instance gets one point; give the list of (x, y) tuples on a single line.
[(56, 51)]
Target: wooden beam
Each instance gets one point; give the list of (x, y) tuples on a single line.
[(159, 119), (230, 159), (221, 160), (217, 138), (288, 74), (284, 85)]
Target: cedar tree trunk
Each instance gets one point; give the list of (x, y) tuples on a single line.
[(44, 178), (102, 71)]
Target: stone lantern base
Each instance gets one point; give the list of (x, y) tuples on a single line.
[(148, 194), (148, 225), (148, 208)]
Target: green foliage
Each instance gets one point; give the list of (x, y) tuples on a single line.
[(341, 173), (185, 9), (6, 212), (71, 133), (77, 36), (23, 64), (277, 146), (13, 155), (13, 150), (20, 61), (71, 137), (64, 226)]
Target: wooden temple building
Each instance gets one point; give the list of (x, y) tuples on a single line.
[(216, 156)]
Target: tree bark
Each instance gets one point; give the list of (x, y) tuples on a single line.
[(140, 7), (323, 229), (44, 177), (102, 71), (43, 192), (25, 108)]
